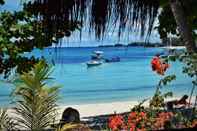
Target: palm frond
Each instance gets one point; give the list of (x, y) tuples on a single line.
[(36, 102), (131, 14), (6, 122)]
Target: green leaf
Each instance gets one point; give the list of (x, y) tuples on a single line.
[(36, 102)]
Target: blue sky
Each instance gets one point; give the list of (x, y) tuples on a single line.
[(89, 39)]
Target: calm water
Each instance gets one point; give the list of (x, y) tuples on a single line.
[(130, 79)]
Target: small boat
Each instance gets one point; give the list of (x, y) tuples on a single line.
[(97, 55), (93, 63), (115, 59), (173, 50)]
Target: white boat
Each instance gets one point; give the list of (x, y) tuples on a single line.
[(97, 55), (98, 52), (173, 50), (93, 63), (174, 47)]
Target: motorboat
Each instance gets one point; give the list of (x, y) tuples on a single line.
[(173, 50), (115, 59), (93, 63), (97, 55)]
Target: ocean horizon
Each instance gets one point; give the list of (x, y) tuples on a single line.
[(131, 79)]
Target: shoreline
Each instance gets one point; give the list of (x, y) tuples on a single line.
[(97, 109)]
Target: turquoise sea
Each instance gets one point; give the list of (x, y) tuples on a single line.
[(129, 79)]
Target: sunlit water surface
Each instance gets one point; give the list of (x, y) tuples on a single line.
[(131, 79)]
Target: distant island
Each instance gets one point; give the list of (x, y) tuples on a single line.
[(134, 44), (165, 42)]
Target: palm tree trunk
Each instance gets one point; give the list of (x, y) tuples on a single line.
[(183, 26)]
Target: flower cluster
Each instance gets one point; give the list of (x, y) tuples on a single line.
[(162, 119), (142, 121), (136, 121), (116, 123), (159, 66)]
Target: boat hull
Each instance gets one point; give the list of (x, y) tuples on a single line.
[(93, 64)]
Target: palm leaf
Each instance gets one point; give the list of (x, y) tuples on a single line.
[(6, 122), (62, 15), (36, 102)]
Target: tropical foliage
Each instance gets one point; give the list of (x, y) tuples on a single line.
[(42, 23), (190, 67), (2, 2), (157, 100), (21, 32), (190, 60), (127, 13), (35, 101), (167, 24), (6, 122), (151, 120)]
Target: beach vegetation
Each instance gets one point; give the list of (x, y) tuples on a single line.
[(35, 100), (189, 61), (6, 122), (21, 33), (125, 15), (33, 27), (190, 68), (157, 101), (167, 24), (156, 117), (151, 120), (42, 23), (2, 2)]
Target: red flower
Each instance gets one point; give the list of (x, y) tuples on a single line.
[(159, 66), (132, 127), (132, 115), (142, 129), (143, 114), (135, 119), (161, 119), (116, 122)]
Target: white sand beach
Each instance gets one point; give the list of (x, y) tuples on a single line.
[(96, 109), (87, 110)]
